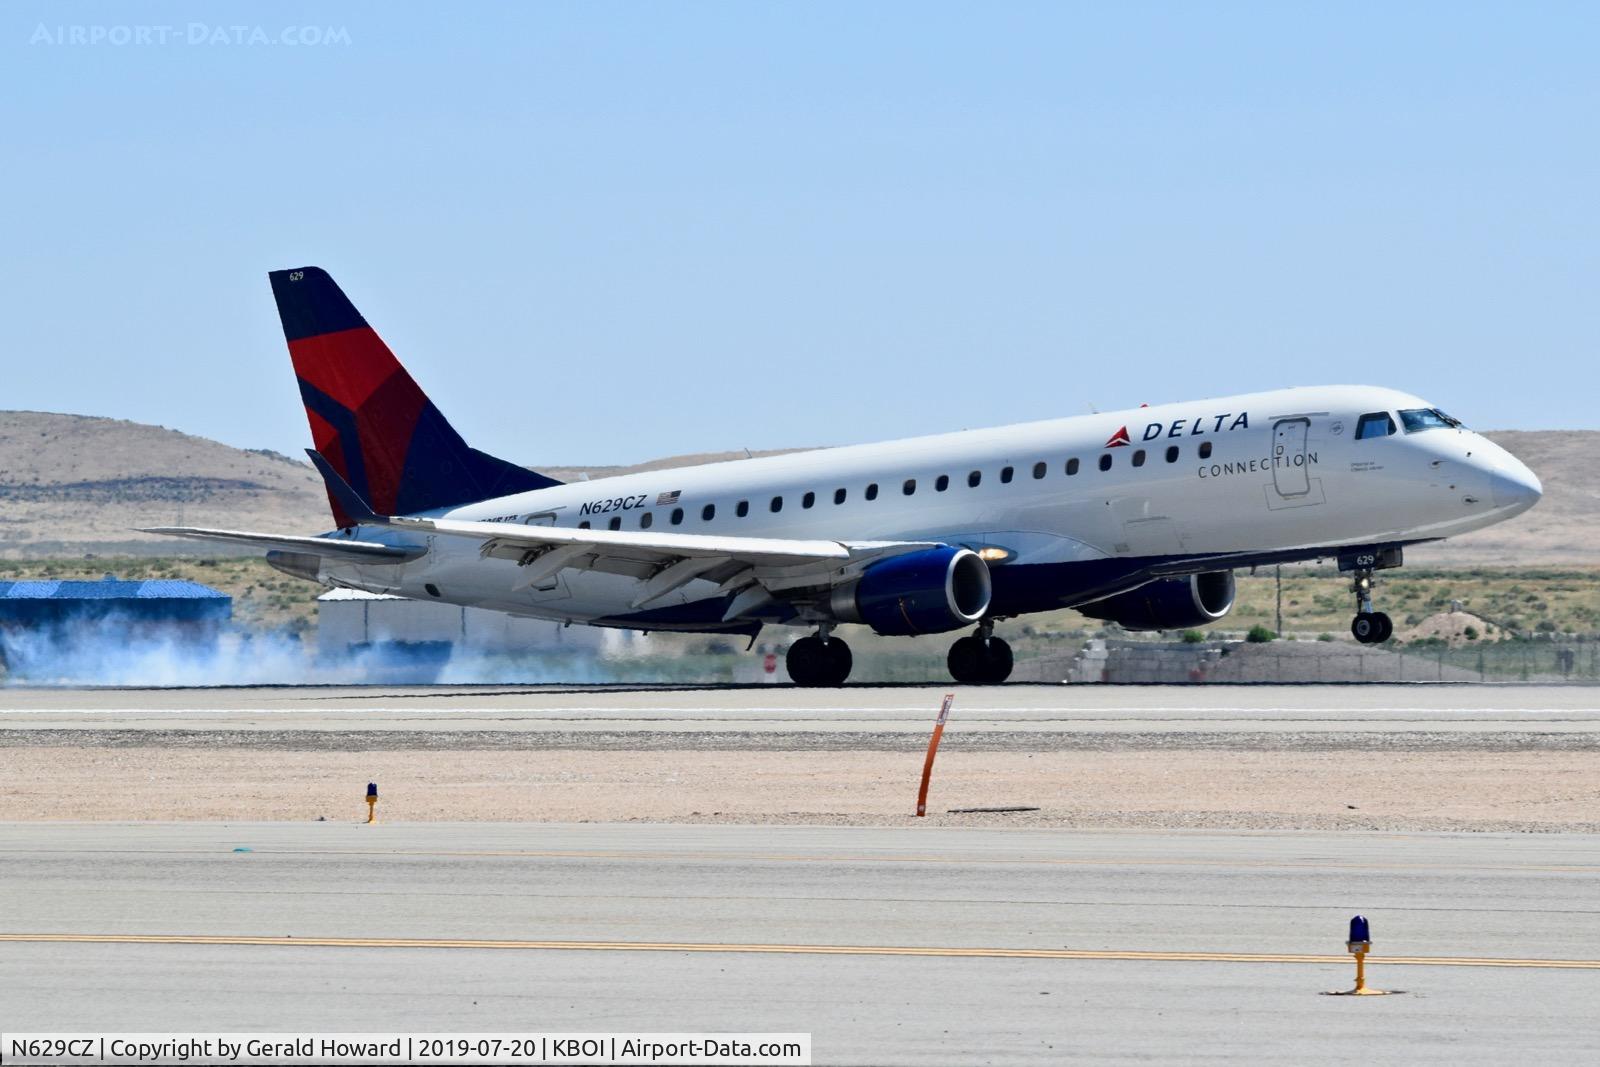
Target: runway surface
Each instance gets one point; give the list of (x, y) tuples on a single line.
[(1019, 709), (917, 945)]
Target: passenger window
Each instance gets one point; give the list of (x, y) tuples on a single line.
[(1138, 458), (708, 513), (910, 486), (742, 509), (584, 525), (1376, 424), (1172, 453), (647, 520), (872, 491), (808, 500), (615, 523), (1038, 470), (677, 516), (1205, 449), (1105, 462), (839, 495), (941, 483), (1072, 466), (974, 478), (777, 504), (1005, 475)]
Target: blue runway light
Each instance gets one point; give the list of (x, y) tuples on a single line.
[(1359, 930), (372, 791)]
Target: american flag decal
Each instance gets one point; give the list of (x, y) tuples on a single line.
[(668, 498)]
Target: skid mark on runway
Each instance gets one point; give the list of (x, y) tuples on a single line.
[(811, 950)]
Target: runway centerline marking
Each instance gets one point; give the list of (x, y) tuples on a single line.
[(811, 950)]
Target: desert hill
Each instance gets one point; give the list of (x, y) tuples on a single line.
[(71, 484)]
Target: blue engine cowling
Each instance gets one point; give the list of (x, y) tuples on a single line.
[(925, 592), (1169, 604)]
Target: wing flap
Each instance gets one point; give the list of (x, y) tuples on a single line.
[(761, 569), (506, 539)]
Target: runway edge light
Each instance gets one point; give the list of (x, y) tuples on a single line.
[(1358, 944), (372, 803)]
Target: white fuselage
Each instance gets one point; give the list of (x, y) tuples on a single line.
[(1274, 473)]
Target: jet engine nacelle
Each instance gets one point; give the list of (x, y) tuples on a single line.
[(926, 592), (1169, 604)]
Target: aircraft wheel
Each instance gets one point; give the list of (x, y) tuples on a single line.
[(966, 661), (974, 661), (1385, 627), (814, 662), (998, 661), (804, 661), (1365, 628), (836, 662)]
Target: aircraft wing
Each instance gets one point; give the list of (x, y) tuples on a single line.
[(759, 569), (765, 574), (326, 547)]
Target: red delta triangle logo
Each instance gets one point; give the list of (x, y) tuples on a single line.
[(1118, 439)]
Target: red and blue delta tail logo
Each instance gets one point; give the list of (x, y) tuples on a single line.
[(1118, 439), (370, 419)]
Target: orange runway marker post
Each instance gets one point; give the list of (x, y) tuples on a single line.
[(933, 749)]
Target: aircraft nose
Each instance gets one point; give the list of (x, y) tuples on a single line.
[(1513, 485)]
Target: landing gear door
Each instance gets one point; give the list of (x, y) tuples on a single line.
[(1289, 475)]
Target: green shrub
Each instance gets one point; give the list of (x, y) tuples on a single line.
[(1193, 637), (1260, 635)]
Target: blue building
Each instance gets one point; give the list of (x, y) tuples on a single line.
[(157, 603)]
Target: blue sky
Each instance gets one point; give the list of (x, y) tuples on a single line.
[(606, 232)]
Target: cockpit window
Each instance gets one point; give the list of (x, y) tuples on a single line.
[(1418, 419), (1377, 424)]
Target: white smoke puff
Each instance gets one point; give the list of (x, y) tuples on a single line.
[(112, 652)]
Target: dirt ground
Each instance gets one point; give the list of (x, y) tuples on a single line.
[(1218, 788)]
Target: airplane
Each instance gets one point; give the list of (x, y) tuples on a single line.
[(1138, 517)]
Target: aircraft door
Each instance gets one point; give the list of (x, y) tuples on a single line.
[(1289, 475)]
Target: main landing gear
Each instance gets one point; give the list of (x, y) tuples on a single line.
[(1369, 627), (980, 658), (819, 660)]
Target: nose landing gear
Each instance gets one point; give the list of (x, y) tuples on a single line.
[(1369, 627), (819, 660), (980, 658)]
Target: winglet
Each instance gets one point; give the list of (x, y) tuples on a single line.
[(356, 508)]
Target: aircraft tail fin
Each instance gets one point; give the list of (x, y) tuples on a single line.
[(370, 421)]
